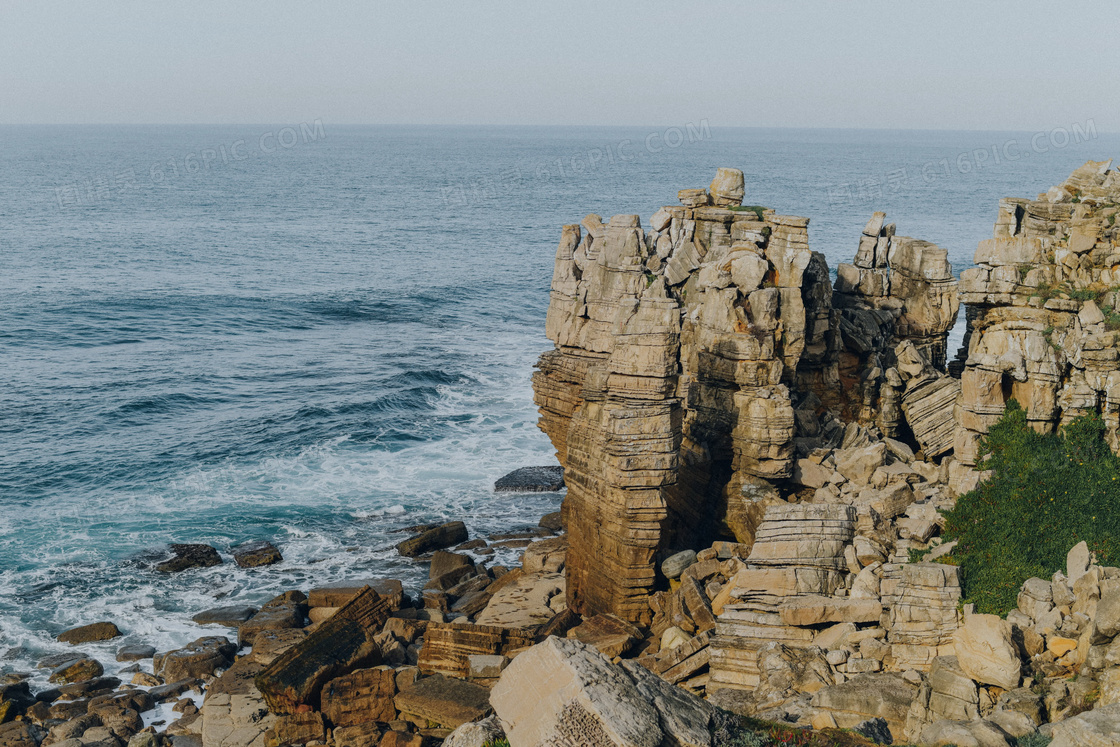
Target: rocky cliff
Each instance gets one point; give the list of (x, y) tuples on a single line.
[(697, 360)]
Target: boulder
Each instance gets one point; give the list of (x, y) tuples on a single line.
[(343, 643), (231, 616), (1077, 562), (872, 695), (255, 554), (184, 557), (531, 480), (1096, 728), (727, 188), (488, 731), (99, 631), (444, 700), (360, 697), (283, 612), (562, 691), (947, 733), (675, 564), (436, 538), (199, 659), (986, 653), (545, 556), (80, 670), (858, 464), (136, 652), (297, 728), (611, 635)]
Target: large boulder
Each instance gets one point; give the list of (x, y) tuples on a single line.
[(436, 538), (986, 653), (865, 696), (947, 733), (99, 631), (184, 557), (446, 701), (199, 659), (1097, 728), (562, 691), (234, 713), (727, 188)]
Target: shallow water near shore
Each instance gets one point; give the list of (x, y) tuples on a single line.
[(318, 344)]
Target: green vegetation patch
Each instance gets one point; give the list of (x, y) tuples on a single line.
[(758, 210), (1047, 492)]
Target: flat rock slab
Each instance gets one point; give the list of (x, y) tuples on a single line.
[(437, 538), (815, 610), (185, 557), (99, 631), (341, 592), (531, 480), (229, 616), (254, 554), (135, 653), (445, 700), (611, 635)]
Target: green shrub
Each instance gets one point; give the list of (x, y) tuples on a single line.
[(1047, 492)]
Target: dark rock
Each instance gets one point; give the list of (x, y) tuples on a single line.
[(130, 669), (559, 625), (342, 643), (160, 693), (475, 544), (552, 522), (135, 652), (54, 661), (77, 671), (20, 734), (87, 689), (437, 538), (228, 616), (283, 612), (14, 700), (190, 556), (68, 709), (531, 480), (254, 554), (99, 631), (198, 659)]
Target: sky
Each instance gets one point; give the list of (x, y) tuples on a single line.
[(978, 65)]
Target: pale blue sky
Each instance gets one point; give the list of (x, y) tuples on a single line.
[(954, 65)]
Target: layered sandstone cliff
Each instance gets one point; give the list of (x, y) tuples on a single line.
[(698, 359)]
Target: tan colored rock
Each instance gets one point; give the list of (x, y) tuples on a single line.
[(986, 653), (727, 187)]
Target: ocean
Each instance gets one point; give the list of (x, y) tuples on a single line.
[(318, 334)]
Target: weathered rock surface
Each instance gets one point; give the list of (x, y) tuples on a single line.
[(436, 538), (199, 659), (531, 480), (444, 700), (562, 691), (341, 644), (185, 557), (255, 554), (99, 631)]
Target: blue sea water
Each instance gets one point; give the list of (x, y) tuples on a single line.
[(318, 334)]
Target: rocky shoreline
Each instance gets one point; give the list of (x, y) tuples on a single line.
[(758, 454)]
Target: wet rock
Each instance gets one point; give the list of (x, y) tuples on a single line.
[(437, 538), (185, 557), (135, 652), (531, 480), (199, 659), (283, 612), (553, 522), (99, 631), (229, 616), (77, 671), (255, 554)]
